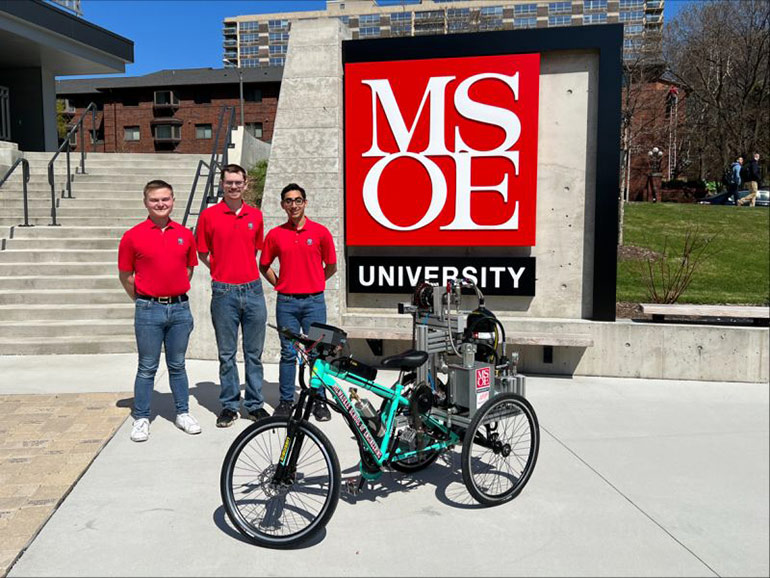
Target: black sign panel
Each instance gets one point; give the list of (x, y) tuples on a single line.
[(392, 274)]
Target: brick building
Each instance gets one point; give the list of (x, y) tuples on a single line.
[(170, 110), (656, 111)]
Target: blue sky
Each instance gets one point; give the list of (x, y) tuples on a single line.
[(188, 33)]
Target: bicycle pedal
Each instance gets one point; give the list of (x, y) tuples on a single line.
[(353, 486)]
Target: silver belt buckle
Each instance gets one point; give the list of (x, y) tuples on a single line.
[(164, 300)]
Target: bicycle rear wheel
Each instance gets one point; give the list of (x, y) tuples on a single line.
[(500, 449), (279, 515)]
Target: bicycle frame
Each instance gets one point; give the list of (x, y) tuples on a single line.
[(325, 376)]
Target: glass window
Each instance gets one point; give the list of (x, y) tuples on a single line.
[(632, 16), (494, 10), (130, 133), (626, 4), (368, 20), (165, 97), (594, 18), (524, 9), (202, 131), (401, 17), (528, 22), (401, 30), (252, 25), (168, 131), (277, 25), (277, 61), (252, 94), (277, 49), (559, 20), (369, 31), (594, 5), (254, 129), (429, 15), (560, 7)]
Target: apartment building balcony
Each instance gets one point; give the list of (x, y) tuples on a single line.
[(229, 42), (165, 100), (654, 19), (654, 6)]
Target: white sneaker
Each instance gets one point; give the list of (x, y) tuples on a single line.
[(141, 430), (187, 423)]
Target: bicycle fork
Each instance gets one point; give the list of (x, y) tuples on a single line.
[(287, 462)]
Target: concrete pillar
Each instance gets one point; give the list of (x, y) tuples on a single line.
[(307, 147)]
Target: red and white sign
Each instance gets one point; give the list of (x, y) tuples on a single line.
[(482, 378), (442, 152)]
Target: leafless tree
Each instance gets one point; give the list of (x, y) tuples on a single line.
[(719, 50)]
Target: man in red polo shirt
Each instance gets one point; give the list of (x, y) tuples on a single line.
[(229, 234), (155, 264), (306, 257)]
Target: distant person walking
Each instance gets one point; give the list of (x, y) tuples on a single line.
[(735, 180), (306, 258), (155, 264), (229, 235), (754, 174)]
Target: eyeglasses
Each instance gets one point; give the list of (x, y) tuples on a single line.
[(296, 201), (235, 184)]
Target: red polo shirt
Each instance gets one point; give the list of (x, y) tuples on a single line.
[(158, 258), (301, 255), (232, 242)]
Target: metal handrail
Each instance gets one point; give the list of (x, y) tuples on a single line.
[(24, 180), (214, 165), (66, 145)]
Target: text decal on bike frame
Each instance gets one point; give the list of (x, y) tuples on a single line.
[(357, 420)]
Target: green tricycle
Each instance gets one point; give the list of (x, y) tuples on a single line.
[(281, 479)]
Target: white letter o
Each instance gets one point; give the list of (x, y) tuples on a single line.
[(437, 199)]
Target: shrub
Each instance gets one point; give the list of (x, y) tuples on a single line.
[(667, 275), (256, 184)]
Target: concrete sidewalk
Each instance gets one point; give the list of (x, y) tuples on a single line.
[(634, 478)]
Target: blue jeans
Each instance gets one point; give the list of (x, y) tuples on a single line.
[(297, 315), (233, 306), (157, 325)]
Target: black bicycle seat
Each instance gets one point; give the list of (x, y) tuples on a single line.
[(411, 359)]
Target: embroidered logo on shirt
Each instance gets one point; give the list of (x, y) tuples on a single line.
[(251, 226), (179, 241), (310, 241)]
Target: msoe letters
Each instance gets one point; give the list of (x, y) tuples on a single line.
[(391, 274)]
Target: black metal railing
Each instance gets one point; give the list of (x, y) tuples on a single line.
[(24, 180), (67, 146), (214, 167)]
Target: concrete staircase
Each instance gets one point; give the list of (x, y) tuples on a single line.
[(59, 288)]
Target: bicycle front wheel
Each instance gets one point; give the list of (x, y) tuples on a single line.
[(279, 515), (500, 449)]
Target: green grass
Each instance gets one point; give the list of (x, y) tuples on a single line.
[(739, 272)]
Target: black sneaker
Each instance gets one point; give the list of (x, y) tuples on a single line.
[(321, 412), (284, 408), (227, 418), (257, 414)]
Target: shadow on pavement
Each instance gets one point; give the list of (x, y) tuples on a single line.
[(220, 520)]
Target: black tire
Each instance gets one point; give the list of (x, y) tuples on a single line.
[(416, 463), (500, 449), (274, 517)]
